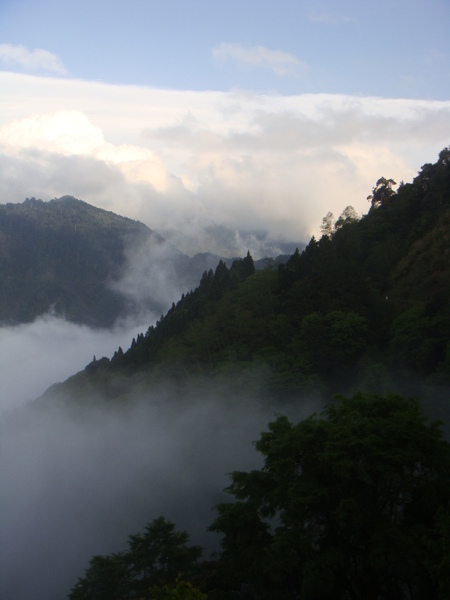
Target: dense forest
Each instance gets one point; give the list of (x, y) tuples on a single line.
[(366, 306), (62, 256), (353, 503)]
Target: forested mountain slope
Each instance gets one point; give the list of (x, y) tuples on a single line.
[(367, 305), (62, 255)]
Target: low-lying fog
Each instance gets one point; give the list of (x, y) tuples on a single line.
[(33, 356), (77, 482)]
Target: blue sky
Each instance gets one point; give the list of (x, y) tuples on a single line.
[(255, 114), (394, 49)]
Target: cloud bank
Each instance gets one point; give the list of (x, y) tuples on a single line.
[(183, 161)]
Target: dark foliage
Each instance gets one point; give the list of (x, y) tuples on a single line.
[(156, 557), (349, 505)]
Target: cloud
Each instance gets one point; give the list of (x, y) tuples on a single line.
[(34, 60), (64, 132), (281, 63), (186, 161)]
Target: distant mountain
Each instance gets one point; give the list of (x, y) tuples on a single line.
[(62, 256), (222, 240), (88, 265)]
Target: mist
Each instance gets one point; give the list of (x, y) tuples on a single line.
[(79, 476), (35, 355)]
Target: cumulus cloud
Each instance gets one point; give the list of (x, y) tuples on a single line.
[(281, 63), (30, 60)]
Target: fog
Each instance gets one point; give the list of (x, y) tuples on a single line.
[(78, 477), (35, 355)]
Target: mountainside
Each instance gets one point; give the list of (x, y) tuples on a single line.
[(62, 256), (367, 305)]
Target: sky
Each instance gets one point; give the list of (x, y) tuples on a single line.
[(257, 115)]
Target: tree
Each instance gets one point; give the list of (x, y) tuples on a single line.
[(159, 554), (332, 342), (412, 340), (327, 227), (249, 265), (156, 557), (348, 215), (107, 578), (344, 507), (381, 192)]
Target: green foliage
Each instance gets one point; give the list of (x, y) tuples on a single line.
[(333, 341), (344, 506), (155, 558), (159, 554), (411, 340)]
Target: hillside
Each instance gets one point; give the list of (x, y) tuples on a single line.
[(62, 256), (367, 305)]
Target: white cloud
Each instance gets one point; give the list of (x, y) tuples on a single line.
[(65, 132), (281, 63), (181, 160), (31, 60)]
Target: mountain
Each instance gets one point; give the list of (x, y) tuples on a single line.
[(88, 265), (367, 305), (62, 256)]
